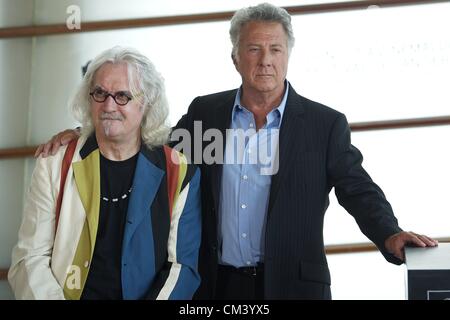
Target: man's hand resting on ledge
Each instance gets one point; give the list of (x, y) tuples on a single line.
[(397, 242)]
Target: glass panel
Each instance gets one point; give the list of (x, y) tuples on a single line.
[(11, 198), (375, 64), (347, 60), (118, 9), (191, 64), (16, 13), (15, 66), (411, 167)]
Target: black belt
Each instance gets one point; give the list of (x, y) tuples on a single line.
[(249, 271)]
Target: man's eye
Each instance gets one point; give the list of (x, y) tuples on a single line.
[(99, 92), (122, 95)]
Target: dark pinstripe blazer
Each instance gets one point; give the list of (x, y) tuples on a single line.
[(315, 156)]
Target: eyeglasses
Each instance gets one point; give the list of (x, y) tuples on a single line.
[(120, 97)]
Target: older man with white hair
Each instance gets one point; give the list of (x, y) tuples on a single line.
[(122, 219)]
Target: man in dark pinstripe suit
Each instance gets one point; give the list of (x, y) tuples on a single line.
[(262, 235)]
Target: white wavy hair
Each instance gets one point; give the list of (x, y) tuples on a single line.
[(144, 81), (264, 12)]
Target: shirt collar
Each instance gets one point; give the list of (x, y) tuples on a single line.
[(278, 111)]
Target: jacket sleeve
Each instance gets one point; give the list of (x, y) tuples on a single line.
[(30, 275), (356, 191), (180, 278)]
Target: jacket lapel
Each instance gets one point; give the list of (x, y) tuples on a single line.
[(87, 178), (146, 182), (292, 127), (221, 121)]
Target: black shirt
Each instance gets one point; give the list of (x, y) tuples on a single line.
[(104, 278)]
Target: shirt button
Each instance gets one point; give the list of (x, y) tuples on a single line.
[(248, 263), (86, 264), (245, 177), (244, 235), (243, 206), (251, 125), (249, 151)]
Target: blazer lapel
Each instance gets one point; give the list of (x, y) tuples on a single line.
[(291, 128), (87, 179), (221, 121), (147, 178)]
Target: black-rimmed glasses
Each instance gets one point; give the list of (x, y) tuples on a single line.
[(120, 97)]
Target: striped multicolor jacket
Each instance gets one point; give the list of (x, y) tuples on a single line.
[(161, 237)]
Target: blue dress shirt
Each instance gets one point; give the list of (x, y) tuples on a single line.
[(246, 178)]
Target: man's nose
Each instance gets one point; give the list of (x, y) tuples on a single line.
[(110, 104), (266, 58)]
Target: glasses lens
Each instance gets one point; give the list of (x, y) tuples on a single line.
[(122, 98), (99, 95)]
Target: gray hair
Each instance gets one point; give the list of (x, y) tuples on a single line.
[(264, 12), (144, 81)]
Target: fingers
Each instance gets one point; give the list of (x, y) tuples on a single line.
[(415, 239), (67, 136), (54, 147), (47, 147), (65, 139), (429, 242), (419, 240), (38, 150)]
